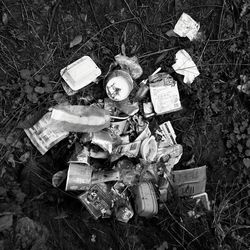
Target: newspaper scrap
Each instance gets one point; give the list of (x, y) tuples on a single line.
[(167, 134), (164, 94), (79, 177), (185, 66), (129, 64), (43, 136), (77, 118), (189, 182), (186, 26), (97, 202), (80, 73)]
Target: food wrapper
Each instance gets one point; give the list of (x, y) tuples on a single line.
[(79, 177), (81, 155), (97, 202), (124, 211), (185, 66), (164, 94), (129, 64), (187, 27), (189, 182), (148, 149), (59, 177), (76, 118), (167, 134), (169, 155), (105, 176), (130, 150), (43, 136)]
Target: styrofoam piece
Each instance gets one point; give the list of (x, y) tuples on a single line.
[(80, 73)]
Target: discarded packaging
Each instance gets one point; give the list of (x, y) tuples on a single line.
[(43, 136), (80, 156), (187, 27), (119, 85), (145, 202), (96, 201), (146, 133), (164, 94), (189, 182), (124, 211), (148, 109), (59, 177), (203, 198), (105, 176), (148, 149), (118, 127), (167, 134), (76, 118), (185, 66), (80, 73), (79, 177), (129, 64)]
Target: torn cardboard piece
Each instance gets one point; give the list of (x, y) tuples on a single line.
[(43, 136), (185, 66), (189, 182), (164, 94), (186, 26)]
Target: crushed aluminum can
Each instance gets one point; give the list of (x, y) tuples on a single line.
[(43, 136), (148, 109), (97, 202), (119, 85), (185, 66), (189, 182), (187, 27), (79, 177), (80, 73), (203, 198), (164, 94), (77, 118), (105, 176), (167, 134)]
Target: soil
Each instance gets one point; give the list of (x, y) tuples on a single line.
[(213, 126)]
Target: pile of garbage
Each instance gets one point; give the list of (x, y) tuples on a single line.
[(117, 130)]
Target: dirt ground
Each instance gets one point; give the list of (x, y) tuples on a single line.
[(213, 126)]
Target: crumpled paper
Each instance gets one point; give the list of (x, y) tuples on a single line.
[(185, 66), (187, 27)]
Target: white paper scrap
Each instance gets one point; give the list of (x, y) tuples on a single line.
[(187, 27), (185, 66)]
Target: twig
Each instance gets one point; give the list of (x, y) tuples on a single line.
[(93, 11), (157, 52), (52, 18)]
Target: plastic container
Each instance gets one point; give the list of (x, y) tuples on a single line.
[(145, 203), (80, 73), (119, 84)]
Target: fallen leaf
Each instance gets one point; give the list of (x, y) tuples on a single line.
[(171, 33), (39, 90), (163, 246), (28, 89), (246, 162), (75, 41), (59, 177), (5, 18), (6, 221), (25, 74), (24, 157), (38, 78), (11, 160), (45, 79)]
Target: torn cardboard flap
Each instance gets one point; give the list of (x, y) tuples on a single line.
[(189, 182)]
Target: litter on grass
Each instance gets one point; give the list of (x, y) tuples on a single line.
[(117, 130), (185, 66), (186, 26)]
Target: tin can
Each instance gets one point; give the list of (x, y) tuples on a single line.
[(119, 85)]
